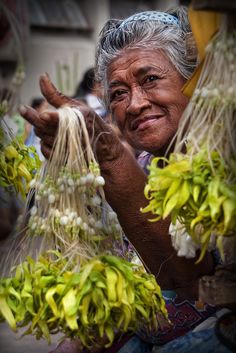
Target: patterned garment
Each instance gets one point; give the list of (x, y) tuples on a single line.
[(201, 341), (184, 315), (144, 159)]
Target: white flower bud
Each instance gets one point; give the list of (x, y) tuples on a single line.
[(33, 226), (71, 216), (91, 220), (117, 227), (85, 227), (64, 220), (33, 210), (99, 181), (59, 181), (96, 200), (51, 198), (90, 179), (62, 188), (43, 227), (70, 182), (197, 92), (78, 221), (41, 187), (91, 231), (112, 216), (204, 92), (37, 197), (83, 180)]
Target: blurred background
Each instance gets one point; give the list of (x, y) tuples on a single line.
[(58, 37)]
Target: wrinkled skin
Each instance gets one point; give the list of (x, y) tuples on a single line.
[(147, 103), (146, 99), (46, 123)]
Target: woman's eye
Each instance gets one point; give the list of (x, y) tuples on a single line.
[(151, 78), (117, 94)]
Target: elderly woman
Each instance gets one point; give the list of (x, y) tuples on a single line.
[(143, 63)]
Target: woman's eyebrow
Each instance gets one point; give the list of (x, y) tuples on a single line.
[(146, 69), (115, 83), (140, 71), (143, 70)]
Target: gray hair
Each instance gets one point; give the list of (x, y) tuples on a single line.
[(174, 39)]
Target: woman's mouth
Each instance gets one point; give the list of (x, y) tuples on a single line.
[(143, 123)]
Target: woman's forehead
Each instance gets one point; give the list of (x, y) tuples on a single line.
[(138, 54), (141, 60)]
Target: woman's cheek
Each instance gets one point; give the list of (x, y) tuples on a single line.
[(118, 116)]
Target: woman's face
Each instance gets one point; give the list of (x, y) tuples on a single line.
[(145, 98)]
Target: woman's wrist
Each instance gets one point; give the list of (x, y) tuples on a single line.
[(108, 148)]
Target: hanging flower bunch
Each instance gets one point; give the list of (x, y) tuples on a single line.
[(18, 165), (68, 273), (198, 188)]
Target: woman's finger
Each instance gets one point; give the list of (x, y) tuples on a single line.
[(47, 139), (46, 149), (52, 95), (30, 114), (50, 120)]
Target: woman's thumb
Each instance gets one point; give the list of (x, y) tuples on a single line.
[(52, 95)]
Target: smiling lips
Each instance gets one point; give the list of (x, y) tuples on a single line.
[(143, 123)]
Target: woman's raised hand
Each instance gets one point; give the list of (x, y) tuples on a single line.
[(46, 123)]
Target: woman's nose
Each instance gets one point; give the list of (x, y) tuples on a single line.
[(137, 102)]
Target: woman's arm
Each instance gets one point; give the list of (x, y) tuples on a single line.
[(124, 190)]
